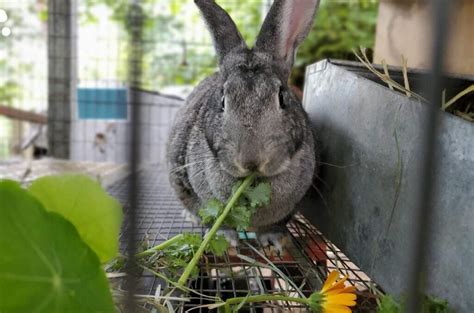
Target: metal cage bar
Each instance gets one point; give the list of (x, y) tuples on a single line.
[(426, 185), (62, 74), (135, 21)]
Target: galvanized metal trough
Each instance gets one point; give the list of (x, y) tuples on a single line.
[(369, 139)]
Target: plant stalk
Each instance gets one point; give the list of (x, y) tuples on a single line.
[(263, 298), (159, 247), (187, 271)]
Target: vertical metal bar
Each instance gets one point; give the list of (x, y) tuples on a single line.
[(62, 74), (135, 57), (429, 159)]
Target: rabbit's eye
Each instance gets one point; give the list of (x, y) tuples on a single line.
[(222, 103), (281, 100)]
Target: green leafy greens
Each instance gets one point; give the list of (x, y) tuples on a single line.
[(387, 304), (185, 250), (236, 213), (240, 215), (211, 211)]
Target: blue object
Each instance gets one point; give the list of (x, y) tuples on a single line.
[(247, 235), (102, 103)]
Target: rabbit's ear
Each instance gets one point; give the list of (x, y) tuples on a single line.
[(224, 32), (286, 25)]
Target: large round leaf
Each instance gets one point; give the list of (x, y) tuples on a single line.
[(45, 266), (96, 215)]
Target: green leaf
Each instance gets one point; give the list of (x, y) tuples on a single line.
[(211, 211), (45, 266), (177, 255), (388, 305), (82, 201), (239, 218), (435, 305), (185, 247), (260, 195), (218, 245)]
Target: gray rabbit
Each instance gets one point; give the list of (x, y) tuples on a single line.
[(244, 118)]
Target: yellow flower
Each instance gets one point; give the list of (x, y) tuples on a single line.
[(334, 297)]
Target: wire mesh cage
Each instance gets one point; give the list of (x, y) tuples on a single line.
[(249, 268), (106, 79)]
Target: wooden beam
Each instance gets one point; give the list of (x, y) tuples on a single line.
[(22, 115)]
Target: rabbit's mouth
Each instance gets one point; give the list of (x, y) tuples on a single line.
[(236, 170), (270, 169), (264, 169)]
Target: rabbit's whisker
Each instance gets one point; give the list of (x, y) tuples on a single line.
[(199, 172), (274, 146), (335, 165), (320, 194), (201, 184), (178, 168), (322, 180)]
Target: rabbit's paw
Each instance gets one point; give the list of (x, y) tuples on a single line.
[(275, 239), (190, 217), (230, 235)]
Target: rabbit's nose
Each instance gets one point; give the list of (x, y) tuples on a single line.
[(250, 165)]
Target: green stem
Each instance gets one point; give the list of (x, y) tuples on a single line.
[(263, 298), (187, 271), (159, 247)]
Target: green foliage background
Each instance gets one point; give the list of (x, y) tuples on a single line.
[(173, 55), (9, 86), (339, 27), (177, 47)]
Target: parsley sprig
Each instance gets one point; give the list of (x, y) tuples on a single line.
[(236, 213), (186, 249), (245, 206)]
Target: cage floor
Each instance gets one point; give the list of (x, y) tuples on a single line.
[(307, 259)]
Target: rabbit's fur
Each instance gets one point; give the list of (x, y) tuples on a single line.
[(244, 118)]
